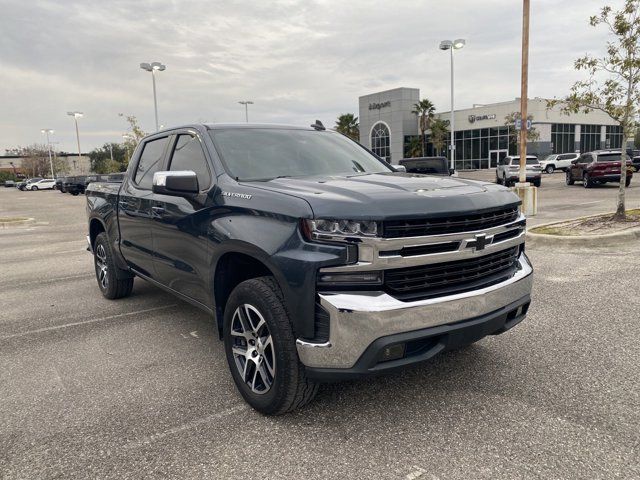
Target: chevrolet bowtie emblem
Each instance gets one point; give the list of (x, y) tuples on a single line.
[(480, 241)]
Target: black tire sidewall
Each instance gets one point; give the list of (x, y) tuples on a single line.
[(110, 291), (283, 341)]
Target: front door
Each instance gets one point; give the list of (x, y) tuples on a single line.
[(495, 156), (134, 208), (182, 255)]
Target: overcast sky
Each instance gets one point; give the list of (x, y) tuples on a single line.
[(297, 60)]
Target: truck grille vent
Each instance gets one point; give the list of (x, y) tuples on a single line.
[(451, 277), (457, 224)]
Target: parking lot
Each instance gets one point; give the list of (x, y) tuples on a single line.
[(91, 388)]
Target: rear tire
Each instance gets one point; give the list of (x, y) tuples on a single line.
[(261, 349), (569, 179), (549, 169), (113, 282), (537, 183)]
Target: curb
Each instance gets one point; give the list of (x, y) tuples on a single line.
[(606, 240), (17, 223)]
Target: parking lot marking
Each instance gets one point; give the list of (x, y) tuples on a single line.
[(85, 322), (49, 280), (186, 426)]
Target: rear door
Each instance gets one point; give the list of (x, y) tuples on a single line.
[(182, 254), (134, 206)]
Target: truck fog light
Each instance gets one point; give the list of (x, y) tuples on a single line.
[(392, 352), (349, 279)]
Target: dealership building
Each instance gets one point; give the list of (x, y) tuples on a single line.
[(481, 136)]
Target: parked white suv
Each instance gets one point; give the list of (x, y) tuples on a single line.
[(558, 161), (44, 184)]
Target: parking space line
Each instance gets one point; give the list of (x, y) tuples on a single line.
[(85, 322), (186, 426), (49, 280)]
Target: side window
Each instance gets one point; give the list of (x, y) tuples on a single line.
[(150, 162), (188, 155), (565, 157)]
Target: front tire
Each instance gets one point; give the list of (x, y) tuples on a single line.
[(261, 349), (549, 169), (34, 188), (537, 182), (586, 181), (113, 281)]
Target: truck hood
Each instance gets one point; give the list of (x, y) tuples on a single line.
[(391, 195)]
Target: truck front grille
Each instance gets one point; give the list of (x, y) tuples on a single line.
[(449, 278), (456, 224)]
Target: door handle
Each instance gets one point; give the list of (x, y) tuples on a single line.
[(157, 210)]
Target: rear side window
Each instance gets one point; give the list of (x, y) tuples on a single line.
[(188, 155), (150, 162)]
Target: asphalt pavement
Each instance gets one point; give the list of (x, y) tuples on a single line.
[(139, 387)]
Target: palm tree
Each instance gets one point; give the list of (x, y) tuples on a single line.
[(425, 110), (439, 133), (348, 125), (414, 147)]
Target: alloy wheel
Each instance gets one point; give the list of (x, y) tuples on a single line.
[(102, 267), (253, 349)]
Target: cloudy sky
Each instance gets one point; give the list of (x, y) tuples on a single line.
[(297, 60)]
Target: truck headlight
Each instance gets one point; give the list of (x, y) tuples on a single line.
[(329, 229)]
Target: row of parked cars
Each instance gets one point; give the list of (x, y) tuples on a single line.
[(590, 168), (75, 185)]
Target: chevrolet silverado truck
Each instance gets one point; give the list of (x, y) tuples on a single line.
[(317, 260)]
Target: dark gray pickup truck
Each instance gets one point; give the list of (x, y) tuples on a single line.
[(317, 260)]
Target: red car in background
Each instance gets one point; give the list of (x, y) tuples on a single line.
[(601, 166)]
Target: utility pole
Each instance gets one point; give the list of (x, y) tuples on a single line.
[(524, 87), (527, 193)]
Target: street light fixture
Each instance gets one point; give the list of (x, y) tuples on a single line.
[(154, 67), (76, 116), (246, 104), (456, 44), (48, 131)]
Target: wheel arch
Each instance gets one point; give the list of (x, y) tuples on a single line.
[(234, 266), (96, 227)]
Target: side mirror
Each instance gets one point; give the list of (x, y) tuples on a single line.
[(178, 183), (400, 168)]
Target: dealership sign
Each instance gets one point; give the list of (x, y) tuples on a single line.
[(379, 106), (477, 118)]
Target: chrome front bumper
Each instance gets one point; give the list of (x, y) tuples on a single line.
[(357, 319)]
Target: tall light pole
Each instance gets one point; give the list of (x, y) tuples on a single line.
[(47, 131), (154, 67), (76, 116), (246, 104), (451, 46)]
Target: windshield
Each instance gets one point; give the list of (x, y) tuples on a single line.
[(267, 153), (609, 157)]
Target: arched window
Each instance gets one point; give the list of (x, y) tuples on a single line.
[(380, 141)]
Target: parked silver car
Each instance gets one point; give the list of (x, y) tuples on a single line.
[(508, 169)]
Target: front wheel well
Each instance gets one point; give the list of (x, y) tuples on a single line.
[(232, 269)]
